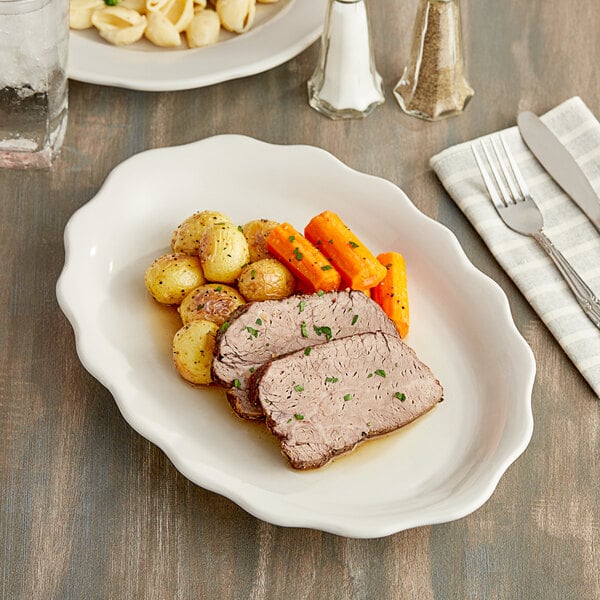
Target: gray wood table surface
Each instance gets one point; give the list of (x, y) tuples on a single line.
[(90, 509)]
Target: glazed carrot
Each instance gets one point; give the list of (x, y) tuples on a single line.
[(392, 293), (306, 263), (359, 269)]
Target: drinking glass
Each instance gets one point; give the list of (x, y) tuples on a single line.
[(34, 36)]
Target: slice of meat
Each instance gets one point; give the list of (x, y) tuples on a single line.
[(260, 331), (348, 390)]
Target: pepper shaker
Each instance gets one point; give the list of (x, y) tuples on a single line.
[(345, 83), (433, 85)]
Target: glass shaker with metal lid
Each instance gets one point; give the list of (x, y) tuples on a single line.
[(433, 85)]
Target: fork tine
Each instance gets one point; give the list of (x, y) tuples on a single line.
[(508, 169), (515, 169), (489, 183), (506, 197)]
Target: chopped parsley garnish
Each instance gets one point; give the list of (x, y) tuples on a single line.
[(253, 274), (297, 254), (347, 397), (252, 369), (225, 326), (400, 396), (218, 289), (354, 319), (303, 329), (111, 2), (258, 321), (298, 388), (380, 372), (299, 417), (320, 293), (331, 379), (307, 350), (353, 244), (252, 332), (324, 330), (292, 238), (237, 383), (239, 226), (301, 306), (326, 268)]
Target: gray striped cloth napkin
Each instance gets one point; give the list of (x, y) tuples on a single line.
[(564, 223)]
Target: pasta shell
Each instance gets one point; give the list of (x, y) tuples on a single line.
[(80, 13), (204, 29), (137, 5), (236, 15), (118, 25), (179, 12), (161, 31)]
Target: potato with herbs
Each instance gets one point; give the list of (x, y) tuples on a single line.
[(186, 238), (193, 347), (211, 302), (266, 279), (223, 253), (171, 277), (256, 233)]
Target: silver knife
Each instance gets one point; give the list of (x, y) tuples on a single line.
[(561, 166)]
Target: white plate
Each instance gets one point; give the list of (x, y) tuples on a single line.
[(280, 32), (440, 468)]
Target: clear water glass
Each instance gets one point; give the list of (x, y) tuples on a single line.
[(34, 37)]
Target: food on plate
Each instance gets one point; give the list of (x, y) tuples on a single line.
[(162, 22), (223, 253), (236, 15), (392, 292), (324, 403), (118, 25), (259, 331), (81, 11), (256, 233), (193, 347), (204, 28), (186, 238), (264, 317), (162, 32), (210, 302), (172, 276), (304, 260), (266, 279), (351, 258)]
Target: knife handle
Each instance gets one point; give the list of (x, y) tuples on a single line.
[(582, 292)]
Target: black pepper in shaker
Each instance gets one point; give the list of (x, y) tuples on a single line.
[(433, 85)]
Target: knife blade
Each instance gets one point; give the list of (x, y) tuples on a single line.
[(559, 164)]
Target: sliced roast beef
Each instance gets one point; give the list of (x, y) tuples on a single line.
[(260, 331), (323, 403)]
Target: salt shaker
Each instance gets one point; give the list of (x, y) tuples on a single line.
[(433, 85), (345, 84)]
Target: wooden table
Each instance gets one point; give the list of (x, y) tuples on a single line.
[(90, 509)]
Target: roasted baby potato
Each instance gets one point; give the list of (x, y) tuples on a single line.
[(223, 253), (186, 238), (256, 233), (266, 279), (211, 302), (171, 277), (193, 347)]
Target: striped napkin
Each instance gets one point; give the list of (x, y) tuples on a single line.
[(564, 223)]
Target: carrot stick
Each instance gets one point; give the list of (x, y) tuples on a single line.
[(306, 263), (357, 266), (392, 293)]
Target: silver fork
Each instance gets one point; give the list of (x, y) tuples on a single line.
[(513, 202)]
